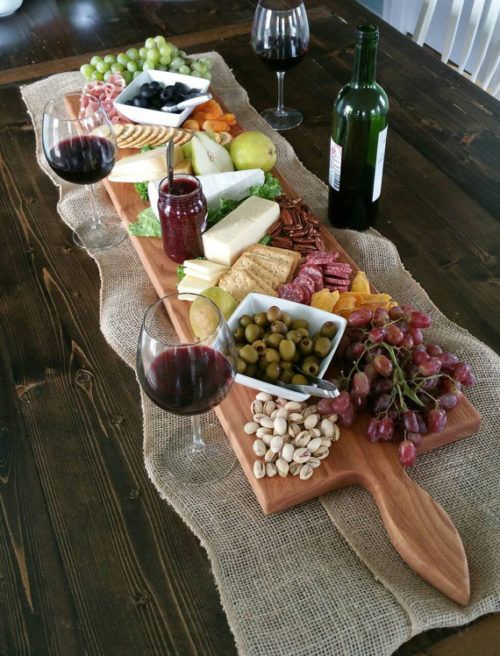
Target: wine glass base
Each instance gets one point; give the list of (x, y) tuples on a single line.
[(101, 237), (288, 119), (198, 467)]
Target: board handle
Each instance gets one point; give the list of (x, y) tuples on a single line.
[(420, 530)]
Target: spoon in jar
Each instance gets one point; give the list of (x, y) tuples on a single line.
[(170, 165)]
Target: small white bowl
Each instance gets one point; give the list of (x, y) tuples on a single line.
[(156, 116), (316, 318)]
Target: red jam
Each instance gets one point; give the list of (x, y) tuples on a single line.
[(183, 216)]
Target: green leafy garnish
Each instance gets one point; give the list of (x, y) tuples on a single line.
[(270, 189), (147, 225), (181, 272), (266, 240), (142, 190)]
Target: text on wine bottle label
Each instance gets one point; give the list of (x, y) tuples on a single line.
[(335, 164), (379, 164)]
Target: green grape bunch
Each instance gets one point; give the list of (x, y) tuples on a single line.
[(156, 54)]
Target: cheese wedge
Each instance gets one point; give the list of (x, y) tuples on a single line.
[(242, 227), (142, 167), (233, 185)]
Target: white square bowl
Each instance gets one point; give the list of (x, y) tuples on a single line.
[(253, 303), (156, 116)]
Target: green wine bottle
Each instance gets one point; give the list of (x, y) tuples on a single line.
[(357, 145)]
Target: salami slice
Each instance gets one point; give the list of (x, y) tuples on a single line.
[(291, 291), (321, 257), (340, 266), (315, 273), (306, 281), (337, 274), (334, 280)]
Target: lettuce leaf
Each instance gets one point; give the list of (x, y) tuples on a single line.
[(147, 225)]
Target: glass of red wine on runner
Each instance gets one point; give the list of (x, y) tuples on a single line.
[(82, 151), (280, 37), (189, 377)]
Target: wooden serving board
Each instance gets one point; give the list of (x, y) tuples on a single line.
[(418, 527)]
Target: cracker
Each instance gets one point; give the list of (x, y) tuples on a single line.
[(142, 137)]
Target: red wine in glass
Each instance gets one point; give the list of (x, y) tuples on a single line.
[(189, 377), (282, 56), (188, 380), (280, 38), (82, 159), (82, 151)]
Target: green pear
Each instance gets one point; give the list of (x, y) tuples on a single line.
[(208, 156)]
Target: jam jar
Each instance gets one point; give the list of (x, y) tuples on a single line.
[(183, 216)]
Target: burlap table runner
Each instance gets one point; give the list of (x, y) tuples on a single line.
[(321, 578)]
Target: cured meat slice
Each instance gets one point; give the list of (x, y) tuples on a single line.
[(321, 257), (291, 291), (333, 280), (337, 273), (315, 273), (306, 281)]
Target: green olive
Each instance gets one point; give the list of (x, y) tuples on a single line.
[(253, 332), (287, 349), (245, 320), (310, 368), (315, 336), (303, 331), (328, 329), (263, 363), (266, 335), (286, 376), (273, 314), (286, 366), (251, 370), (297, 357), (273, 371), (242, 365), (306, 346), (239, 334), (310, 358), (299, 379), (274, 339), (261, 319), (294, 335), (271, 355), (249, 354), (259, 345), (322, 346), (299, 323), (287, 319), (278, 327)]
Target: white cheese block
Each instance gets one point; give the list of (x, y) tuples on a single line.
[(141, 167), (204, 269), (241, 228), (191, 285), (233, 185)]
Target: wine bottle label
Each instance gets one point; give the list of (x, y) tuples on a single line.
[(335, 164), (379, 164)]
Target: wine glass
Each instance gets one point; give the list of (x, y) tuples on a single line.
[(280, 37), (82, 151), (189, 377)]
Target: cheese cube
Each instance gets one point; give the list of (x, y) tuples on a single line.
[(244, 226), (191, 285)]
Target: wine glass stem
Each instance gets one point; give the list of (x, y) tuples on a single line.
[(96, 220), (198, 443), (280, 110)]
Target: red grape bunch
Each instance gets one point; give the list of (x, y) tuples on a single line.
[(407, 386)]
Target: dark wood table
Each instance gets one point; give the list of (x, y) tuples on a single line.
[(93, 562)]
